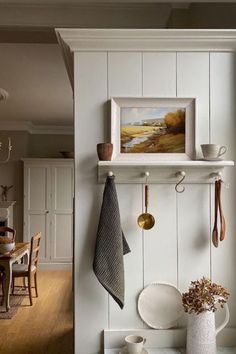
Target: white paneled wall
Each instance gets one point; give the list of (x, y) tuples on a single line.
[(160, 81), (222, 127), (178, 249), (193, 81), (130, 207), (91, 310), (193, 205), (128, 83), (160, 243)]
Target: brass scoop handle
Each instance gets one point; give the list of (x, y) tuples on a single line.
[(146, 196)]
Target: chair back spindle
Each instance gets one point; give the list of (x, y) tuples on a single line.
[(34, 250)]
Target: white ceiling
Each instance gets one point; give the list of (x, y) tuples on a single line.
[(37, 82)]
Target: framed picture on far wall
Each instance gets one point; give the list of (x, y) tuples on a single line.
[(153, 128)]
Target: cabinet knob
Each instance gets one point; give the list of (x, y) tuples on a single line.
[(47, 211)]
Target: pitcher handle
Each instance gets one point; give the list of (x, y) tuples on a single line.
[(226, 320)]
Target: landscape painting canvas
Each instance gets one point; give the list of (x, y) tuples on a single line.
[(152, 130)]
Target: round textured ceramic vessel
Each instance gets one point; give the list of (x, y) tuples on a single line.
[(160, 305)]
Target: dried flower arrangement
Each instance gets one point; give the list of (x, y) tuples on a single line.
[(203, 295), (5, 240)]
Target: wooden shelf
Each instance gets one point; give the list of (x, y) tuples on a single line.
[(197, 171)]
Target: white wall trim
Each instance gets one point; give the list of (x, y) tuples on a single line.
[(45, 161), (144, 40), (169, 338), (148, 39), (36, 129), (55, 266)]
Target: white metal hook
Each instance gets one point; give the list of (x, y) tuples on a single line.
[(181, 175), (110, 174)]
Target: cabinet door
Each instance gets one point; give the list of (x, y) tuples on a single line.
[(62, 213), (37, 206)]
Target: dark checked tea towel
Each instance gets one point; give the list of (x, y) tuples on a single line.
[(111, 245)]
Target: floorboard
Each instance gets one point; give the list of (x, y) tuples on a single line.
[(47, 326)]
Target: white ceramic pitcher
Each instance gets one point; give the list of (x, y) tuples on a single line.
[(201, 332)]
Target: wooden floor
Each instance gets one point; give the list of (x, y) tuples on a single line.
[(46, 327)]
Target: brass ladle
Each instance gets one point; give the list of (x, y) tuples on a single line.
[(146, 221)]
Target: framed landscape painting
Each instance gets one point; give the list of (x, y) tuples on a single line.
[(153, 128)]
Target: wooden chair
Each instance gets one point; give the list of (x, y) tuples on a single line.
[(27, 270), (4, 229), (2, 279)]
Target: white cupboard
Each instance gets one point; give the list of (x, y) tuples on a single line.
[(48, 207)]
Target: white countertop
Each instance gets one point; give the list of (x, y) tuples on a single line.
[(229, 350)]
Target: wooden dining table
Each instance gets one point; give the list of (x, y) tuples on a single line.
[(20, 251)]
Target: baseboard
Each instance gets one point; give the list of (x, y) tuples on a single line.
[(169, 338), (55, 266)]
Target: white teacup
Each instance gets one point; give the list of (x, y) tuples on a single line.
[(213, 151), (134, 344)]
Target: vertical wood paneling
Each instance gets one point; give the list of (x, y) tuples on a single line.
[(91, 304), (160, 243), (125, 75), (125, 79), (193, 234), (130, 208), (193, 81), (223, 109), (193, 204), (178, 248), (159, 74)]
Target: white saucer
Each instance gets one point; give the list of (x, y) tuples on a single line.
[(213, 159), (124, 351)]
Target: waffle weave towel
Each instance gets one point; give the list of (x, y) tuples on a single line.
[(111, 245)]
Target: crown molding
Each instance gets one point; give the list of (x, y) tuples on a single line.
[(36, 129), (147, 39), (144, 40)]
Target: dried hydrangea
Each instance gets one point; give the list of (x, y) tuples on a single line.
[(203, 295)]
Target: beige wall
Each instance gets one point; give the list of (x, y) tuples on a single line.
[(200, 15), (27, 145), (50, 145)]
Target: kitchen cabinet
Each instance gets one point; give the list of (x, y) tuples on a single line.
[(48, 207)]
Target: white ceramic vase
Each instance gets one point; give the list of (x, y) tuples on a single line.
[(201, 332)]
